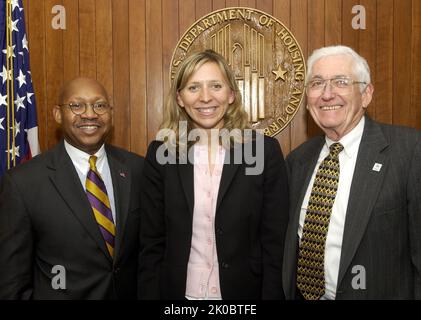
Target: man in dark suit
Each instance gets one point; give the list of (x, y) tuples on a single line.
[(355, 215), (69, 218)]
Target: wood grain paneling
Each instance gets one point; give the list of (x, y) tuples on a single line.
[(128, 45), (71, 42), (121, 73), (87, 43), (299, 13), (416, 65), (282, 11), (402, 62), (383, 91), (138, 110)]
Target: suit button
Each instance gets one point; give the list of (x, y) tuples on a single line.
[(225, 265), (219, 231), (116, 270)]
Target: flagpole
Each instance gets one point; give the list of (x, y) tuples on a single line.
[(7, 82), (12, 81)]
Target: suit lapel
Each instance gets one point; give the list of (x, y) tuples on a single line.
[(365, 187), (64, 177), (187, 181), (301, 175), (121, 177), (228, 172)]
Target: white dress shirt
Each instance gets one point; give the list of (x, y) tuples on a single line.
[(80, 160), (347, 161)]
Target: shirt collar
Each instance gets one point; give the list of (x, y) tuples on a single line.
[(81, 159), (351, 140)]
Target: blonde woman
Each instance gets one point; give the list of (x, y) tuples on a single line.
[(215, 199)]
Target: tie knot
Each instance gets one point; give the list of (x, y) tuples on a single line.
[(92, 162), (336, 148)]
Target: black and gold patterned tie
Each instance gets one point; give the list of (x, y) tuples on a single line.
[(310, 269)]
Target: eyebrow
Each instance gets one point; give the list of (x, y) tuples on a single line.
[(335, 76)]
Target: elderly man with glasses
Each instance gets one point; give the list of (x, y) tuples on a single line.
[(355, 193), (69, 218)]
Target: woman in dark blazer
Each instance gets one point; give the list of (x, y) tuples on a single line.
[(215, 199)]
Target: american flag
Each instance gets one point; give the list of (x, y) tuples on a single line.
[(18, 117)]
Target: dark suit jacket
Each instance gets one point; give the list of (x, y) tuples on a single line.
[(46, 220), (250, 223), (382, 230)]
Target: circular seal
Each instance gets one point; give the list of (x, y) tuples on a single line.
[(266, 58)]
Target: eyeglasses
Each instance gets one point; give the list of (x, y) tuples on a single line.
[(339, 85), (79, 108)]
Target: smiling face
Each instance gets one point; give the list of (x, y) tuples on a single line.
[(206, 97), (337, 114), (86, 131)]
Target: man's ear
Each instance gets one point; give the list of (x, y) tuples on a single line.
[(57, 114), (367, 95)]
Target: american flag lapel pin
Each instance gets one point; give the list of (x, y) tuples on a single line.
[(377, 167)]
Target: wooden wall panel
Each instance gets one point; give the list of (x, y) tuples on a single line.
[(333, 22), (232, 3), (154, 76), (402, 62), (87, 43), (104, 45), (218, 4), (316, 39), (138, 109), (383, 90), (170, 33), (416, 65), (36, 37), (121, 73), (53, 74), (350, 36), (367, 42), (203, 7), (71, 41), (299, 13), (128, 45), (282, 11)]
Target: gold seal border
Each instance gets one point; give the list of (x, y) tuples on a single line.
[(281, 122)]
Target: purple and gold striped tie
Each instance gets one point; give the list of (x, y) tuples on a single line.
[(97, 196)]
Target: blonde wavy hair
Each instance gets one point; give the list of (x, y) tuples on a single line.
[(235, 117)]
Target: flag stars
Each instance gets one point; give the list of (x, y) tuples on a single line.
[(19, 102), (3, 100), (1, 123), (14, 25), (28, 96), (14, 152), (17, 128), (25, 43), (10, 51), (15, 4), (6, 75), (21, 78)]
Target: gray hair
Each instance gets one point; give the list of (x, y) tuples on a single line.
[(361, 68)]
